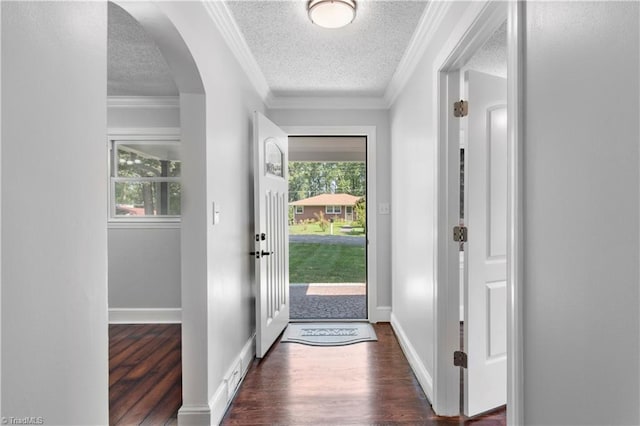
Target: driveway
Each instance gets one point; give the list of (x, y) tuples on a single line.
[(327, 239)]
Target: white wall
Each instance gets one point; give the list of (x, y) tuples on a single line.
[(581, 213), (141, 116), (218, 293), (581, 203), (413, 186), (144, 261), (54, 199), (0, 214), (144, 268), (380, 119)]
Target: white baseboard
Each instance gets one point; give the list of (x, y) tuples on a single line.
[(213, 413), (418, 367), (194, 415), (381, 314), (232, 379), (145, 316)]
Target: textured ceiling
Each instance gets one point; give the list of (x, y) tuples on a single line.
[(492, 56), (299, 58), (135, 65), (295, 56)]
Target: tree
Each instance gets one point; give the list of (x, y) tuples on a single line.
[(360, 210), (307, 179)]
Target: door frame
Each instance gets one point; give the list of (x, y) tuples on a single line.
[(475, 27), (369, 132)]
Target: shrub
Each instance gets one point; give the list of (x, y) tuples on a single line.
[(322, 221)]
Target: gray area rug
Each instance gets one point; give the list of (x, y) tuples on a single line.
[(329, 333)]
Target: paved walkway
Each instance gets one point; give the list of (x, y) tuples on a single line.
[(328, 301), (327, 239)]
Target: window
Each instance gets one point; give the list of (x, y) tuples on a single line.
[(274, 158), (348, 209), (145, 179), (333, 210), (299, 209)]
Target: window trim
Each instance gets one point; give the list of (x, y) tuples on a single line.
[(295, 210), (326, 210), (139, 136)]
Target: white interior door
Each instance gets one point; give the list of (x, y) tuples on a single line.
[(485, 322), (272, 231)]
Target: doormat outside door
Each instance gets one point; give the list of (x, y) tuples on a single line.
[(329, 333)]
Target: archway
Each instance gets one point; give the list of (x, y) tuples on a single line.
[(193, 244)]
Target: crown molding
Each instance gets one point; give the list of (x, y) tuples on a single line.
[(427, 27), (143, 102), (226, 24), (320, 102)]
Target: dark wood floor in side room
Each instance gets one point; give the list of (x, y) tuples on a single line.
[(363, 384), (145, 374)]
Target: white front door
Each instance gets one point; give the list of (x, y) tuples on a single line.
[(485, 320), (348, 214), (271, 231)]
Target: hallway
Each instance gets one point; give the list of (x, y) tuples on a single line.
[(365, 383)]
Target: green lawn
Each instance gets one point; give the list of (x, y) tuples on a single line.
[(326, 263), (314, 229)]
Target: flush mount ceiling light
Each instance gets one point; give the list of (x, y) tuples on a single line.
[(332, 13)]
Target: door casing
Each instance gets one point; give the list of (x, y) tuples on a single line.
[(469, 35), (374, 315)]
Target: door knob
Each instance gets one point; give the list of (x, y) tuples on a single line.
[(259, 254)]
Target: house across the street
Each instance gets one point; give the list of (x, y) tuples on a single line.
[(334, 206)]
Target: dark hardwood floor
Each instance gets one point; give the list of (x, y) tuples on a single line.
[(363, 384), (145, 374)]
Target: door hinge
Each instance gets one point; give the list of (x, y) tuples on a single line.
[(460, 359), (460, 234), (460, 108)]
